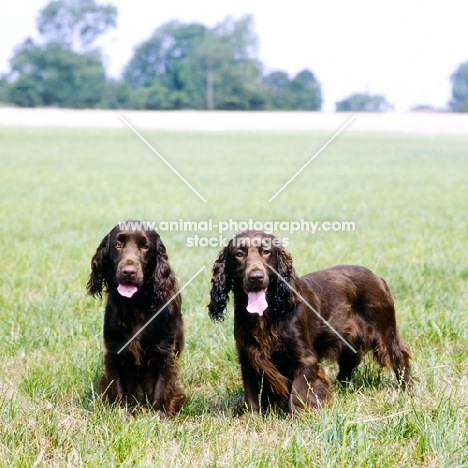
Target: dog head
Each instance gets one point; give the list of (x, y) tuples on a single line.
[(254, 263), (127, 259)]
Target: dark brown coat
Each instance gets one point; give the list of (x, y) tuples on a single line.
[(135, 263), (280, 351)]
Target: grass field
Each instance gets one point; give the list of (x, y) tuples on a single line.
[(62, 190)]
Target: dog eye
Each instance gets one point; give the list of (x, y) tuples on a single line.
[(266, 252), (239, 254), (145, 247), (118, 245)]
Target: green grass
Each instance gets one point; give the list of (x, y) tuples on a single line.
[(62, 190)]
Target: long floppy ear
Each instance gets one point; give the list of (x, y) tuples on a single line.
[(283, 300), (165, 282), (99, 263), (221, 286)]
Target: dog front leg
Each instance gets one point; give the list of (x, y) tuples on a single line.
[(251, 387), (310, 387), (118, 384), (161, 388)]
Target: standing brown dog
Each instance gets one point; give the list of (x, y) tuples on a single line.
[(279, 337), (133, 268)]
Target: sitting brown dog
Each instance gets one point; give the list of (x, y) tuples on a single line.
[(143, 327)]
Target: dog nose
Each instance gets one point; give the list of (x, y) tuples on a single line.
[(129, 271), (256, 275)]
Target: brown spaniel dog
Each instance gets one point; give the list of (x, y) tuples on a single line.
[(284, 325), (143, 327)]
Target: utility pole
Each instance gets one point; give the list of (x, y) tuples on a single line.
[(209, 88)]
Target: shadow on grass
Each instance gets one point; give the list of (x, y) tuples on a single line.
[(368, 378), (225, 403)]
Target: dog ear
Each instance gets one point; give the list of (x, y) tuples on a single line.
[(221, 286), (282, 299), (99, 265), (284, 263), (165, 282)]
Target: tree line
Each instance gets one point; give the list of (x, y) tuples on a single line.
[(181, 66)]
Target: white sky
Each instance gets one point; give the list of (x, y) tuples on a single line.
[(405, 50)]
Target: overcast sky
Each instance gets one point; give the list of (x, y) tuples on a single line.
[(403, 49)]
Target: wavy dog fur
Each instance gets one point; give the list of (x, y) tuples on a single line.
[(280, 351), (146, 370)]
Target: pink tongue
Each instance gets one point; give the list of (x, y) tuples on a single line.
[(257, 302), (127, 290)]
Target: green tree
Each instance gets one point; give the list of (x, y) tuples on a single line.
[(201, 68), (164, 55), (217, 79), (75, 24), (363, 103), (5, 88), (55, 72), (459, 80), (306, 90), (278, 90), (233, 74), (202, 72), (303, 92), (54, 76), (115, 95), (26, 92)]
